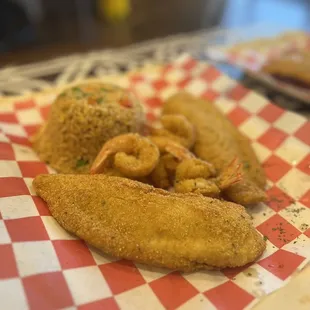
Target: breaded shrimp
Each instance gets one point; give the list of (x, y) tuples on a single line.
[(134, 155), (176, 128), (198, 176), (219, 142), (171, 155)]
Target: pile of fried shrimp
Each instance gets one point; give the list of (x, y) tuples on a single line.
[(163, 158)]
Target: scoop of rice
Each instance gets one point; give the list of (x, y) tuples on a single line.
[(81, 120)]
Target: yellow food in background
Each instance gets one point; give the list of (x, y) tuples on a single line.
[(114, 10)]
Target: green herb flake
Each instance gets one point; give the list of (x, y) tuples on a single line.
[(265, 238), (99, 100), (246, 165), (106, 89), (78, 91), (81, 163)]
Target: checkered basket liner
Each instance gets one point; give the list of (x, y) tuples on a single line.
[(44, 267)]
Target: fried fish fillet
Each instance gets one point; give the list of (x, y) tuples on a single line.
[(219, 142), (135, 221)]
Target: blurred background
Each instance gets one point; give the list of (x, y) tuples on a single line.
[(34, 30)]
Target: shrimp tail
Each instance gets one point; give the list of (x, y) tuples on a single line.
[(231, 175), (99, 163), (178, 151)]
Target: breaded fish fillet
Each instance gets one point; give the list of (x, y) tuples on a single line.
[(219, 142), (135, 221)]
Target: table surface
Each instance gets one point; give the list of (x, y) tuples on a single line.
[(72, 42), (59, 28)]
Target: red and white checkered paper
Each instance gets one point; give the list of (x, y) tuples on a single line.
[(44, 267)]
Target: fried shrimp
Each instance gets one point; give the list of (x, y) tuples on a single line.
[(219, 142), (177, 128), (198, 176), (134, 155), (195, 168), (201, 186), (161, 176), (168, 145), (172, 154)]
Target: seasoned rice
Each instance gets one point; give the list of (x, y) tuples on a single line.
[(81, 120)]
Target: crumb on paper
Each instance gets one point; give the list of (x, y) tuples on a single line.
[(304, 226)]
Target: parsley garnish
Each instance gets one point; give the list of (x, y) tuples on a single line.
[(81, 163), (78, 91), (246, 165), (106, 89)]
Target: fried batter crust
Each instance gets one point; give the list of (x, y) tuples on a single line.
[(219, 142), (135, 221)]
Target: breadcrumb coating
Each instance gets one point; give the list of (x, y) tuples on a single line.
[(135, 221)]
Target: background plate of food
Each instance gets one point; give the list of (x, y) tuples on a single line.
[(280, 63), (202, 128)]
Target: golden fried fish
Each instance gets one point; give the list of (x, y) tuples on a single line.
[(135, 221), (219, 142)]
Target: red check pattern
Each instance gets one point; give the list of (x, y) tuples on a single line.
[(44, 267)]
